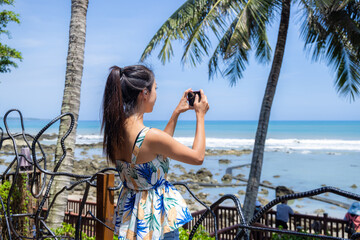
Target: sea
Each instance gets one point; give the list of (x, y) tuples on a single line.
[(302, 155)]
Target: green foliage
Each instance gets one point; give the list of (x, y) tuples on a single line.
[(19, 201), (69, 231), (238, 25), (7, 54), (200, 234), (331, 30), (4, 192)]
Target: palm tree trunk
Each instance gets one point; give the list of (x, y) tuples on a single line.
[(70, 103), (258, 152)]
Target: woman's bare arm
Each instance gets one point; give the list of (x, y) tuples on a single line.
[(162, 143), (183, 106)]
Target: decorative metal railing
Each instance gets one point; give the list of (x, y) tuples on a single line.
[(42, 178)]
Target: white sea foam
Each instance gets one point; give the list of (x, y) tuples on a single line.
[(283, 145), (286, 145), (89, 138)]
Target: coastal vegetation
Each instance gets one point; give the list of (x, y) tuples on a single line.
[(67, 230), (200, 234), (8, 55), (20, 202), (329, 28)]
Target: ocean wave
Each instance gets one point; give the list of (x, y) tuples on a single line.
[(293, 144), (280, 144)]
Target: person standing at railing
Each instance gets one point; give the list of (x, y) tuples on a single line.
[(149, 207), (282, 214), (353, 218)]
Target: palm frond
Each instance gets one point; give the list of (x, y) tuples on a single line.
[(239, 56), (248, 27), (220, 49), (177, 26), (332, 33), (252, 15), (198, 43), (235, 66)]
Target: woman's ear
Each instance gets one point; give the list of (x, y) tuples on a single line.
[(145, 94)]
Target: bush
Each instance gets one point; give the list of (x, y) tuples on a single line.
[(67, 230), (200, 234)]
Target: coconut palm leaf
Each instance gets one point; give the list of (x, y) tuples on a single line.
[(334, 36), (223, 44), (212, 18), (252, 16), (174, 28)]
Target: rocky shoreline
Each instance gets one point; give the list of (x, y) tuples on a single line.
[(196, 180)]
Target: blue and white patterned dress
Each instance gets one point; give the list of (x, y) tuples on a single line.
[(148, 205)]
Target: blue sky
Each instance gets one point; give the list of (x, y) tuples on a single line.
[(117, 33)]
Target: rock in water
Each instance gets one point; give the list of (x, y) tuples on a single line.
[(202, 195), (263, 201), (203, 172), (264, 191), (224, 161), (226, 178), (266, 182), (282, 190), (181, 168), (319, 211), (241, 192)]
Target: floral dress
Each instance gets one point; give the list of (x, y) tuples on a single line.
[(148, 205)]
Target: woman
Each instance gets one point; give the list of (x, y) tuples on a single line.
[(149, 207)]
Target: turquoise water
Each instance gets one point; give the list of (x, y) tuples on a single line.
[(345, 130)]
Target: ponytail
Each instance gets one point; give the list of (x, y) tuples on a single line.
[(122, 88)]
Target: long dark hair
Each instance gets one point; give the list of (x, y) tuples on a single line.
[(122, 88)]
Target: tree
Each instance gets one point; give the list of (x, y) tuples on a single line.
[(7, 54), (330, 30), (70, 103)]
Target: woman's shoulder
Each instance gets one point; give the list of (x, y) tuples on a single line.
[(154, 134), (156, 138)]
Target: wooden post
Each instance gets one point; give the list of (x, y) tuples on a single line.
[(325, 223), (104, 205)]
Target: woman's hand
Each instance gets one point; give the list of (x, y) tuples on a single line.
[(183, 105), (203, 106)]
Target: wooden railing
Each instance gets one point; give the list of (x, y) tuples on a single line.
[(227, 221)]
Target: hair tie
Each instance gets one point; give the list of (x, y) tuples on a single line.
[(121, 71)]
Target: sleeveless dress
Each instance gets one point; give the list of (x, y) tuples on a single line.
[(148, 205)]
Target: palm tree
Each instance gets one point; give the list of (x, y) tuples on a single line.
[(330, 30), (70, 103)]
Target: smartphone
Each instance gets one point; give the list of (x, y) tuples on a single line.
[(191, 97)]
